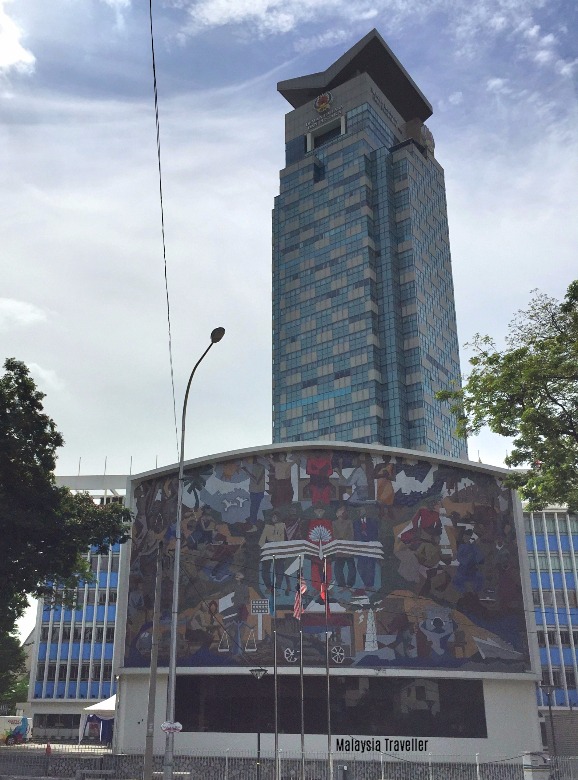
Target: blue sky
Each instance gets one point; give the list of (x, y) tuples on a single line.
[(82, 300)]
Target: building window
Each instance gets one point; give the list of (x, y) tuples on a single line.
[(541, 639), (570, 678), (110, 634), (571, 598), (40, 672)]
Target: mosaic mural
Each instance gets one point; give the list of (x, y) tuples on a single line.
[(418, 562)]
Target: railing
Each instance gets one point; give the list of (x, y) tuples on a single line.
[(84, 762)]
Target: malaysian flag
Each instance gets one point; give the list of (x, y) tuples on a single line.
[(299, 593)]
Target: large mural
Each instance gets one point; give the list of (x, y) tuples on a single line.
[(405, 563)]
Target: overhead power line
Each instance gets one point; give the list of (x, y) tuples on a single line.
[(157, 124)]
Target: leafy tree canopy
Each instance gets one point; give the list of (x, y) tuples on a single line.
[(529, 391), (45, 530), (11, 669)]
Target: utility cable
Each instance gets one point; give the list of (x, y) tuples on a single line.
[(157, 124)]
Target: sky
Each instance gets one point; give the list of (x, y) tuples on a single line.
[(82, 299)]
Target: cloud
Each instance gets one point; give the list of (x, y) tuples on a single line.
[(456, 98), (497, 86), (118, 6), (15, 313), (46, 378), (13, 54), (566, 67), (321, 41)]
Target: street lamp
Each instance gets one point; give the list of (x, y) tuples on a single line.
[(549, 689), (216, 336), (258, 673)]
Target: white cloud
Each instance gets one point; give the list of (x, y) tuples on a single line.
[(456, 98), (46, 378), (542, 56), (118, 6), (329, 38), (15, 313), (13, 54), (566, 67), (498, 86)]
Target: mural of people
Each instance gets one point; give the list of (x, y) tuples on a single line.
[(421, 560), (256, 471), (365, 529), (344, 567), (468, 575), (280, 487), (274, 531), (319, 467)]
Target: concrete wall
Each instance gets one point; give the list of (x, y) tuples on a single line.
[(511, 716)]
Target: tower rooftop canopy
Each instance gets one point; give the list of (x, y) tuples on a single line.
[(370, 55)]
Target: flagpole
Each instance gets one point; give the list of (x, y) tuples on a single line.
[(326, 585), (299, 584), (276, 693)]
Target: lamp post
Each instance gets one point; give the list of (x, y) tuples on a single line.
[(216, 336), (258, 673), (549, 690)]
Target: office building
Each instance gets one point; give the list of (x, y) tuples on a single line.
[(363, 306), (552, 543), (72, 664)]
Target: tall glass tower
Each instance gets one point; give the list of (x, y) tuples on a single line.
[(364, 326)]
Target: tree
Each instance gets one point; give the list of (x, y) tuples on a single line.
[(529, 391), (11, 669), (45, 530)]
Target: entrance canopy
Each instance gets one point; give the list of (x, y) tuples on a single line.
[(105, 710)]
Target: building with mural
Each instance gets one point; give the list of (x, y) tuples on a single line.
[(364, 327), (413, 565), (72, 662)]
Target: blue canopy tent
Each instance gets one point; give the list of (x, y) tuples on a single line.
[(101, 713)]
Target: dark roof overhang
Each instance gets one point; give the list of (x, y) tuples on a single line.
[(370, 55)]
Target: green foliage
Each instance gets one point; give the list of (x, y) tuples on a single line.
[(16, 693), (529, 391), (11, 669), (45, 530)]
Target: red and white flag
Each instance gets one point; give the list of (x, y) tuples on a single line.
[(299, 593)]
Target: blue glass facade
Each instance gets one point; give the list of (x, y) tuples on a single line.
[(552, 544), (364, 329)]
